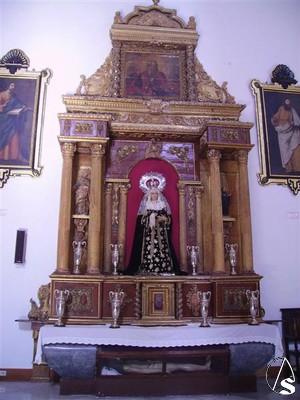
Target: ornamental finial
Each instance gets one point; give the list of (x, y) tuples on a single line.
[(155, 2)]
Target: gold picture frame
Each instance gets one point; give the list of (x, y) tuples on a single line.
[(22, 106), (278, 119), (158, 302), (150, 73)]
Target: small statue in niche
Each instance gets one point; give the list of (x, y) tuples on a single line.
[(82, 193), (225, 202)]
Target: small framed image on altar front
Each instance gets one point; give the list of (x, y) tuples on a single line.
[(158, 301), (152, 73), (278, 125)]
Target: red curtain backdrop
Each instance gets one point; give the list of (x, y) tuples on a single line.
[(135, 196)]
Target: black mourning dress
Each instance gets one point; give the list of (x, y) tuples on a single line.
[(152, 250)]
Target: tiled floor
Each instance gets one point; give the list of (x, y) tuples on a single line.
[(50, 391)]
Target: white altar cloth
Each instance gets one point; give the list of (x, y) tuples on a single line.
[(159, 336)]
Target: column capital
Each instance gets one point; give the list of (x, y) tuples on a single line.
[(242, 156), (97, 150), (181, 188), (214, 155), (68, 149), (124, 187)]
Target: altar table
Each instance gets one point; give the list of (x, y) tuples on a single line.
[(236, 352)]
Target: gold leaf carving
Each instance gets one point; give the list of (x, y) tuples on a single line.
[(154, 18), (100, 83), (83, 129), (154, 148), (208, 90), (181, 152)]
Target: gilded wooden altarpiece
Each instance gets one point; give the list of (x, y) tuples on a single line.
[(116, 124)]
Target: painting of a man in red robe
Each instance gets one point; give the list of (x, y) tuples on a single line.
[(152, 76)]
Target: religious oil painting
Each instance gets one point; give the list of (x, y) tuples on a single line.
[(278, 125), (22, 96), (153, 75)]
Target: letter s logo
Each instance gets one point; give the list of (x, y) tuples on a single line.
[(286, 384)]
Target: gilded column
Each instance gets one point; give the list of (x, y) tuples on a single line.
[(94, 237), (63, 246), (245, 213), (214, 157), (122, 221), (182, 224), (107, 225), (199, 232)]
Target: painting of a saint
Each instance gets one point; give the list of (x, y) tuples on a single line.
[(154, 76), (16, 118)]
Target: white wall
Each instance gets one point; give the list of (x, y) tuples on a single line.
[(239, 40)]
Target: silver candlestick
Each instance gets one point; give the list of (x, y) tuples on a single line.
[(193, 251), (253, 296), (231, 250), (78, 249), (61, 296), (116, 300), (115, 255), (204, 298)]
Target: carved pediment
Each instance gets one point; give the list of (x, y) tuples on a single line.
[(154, 16), (154, 36)]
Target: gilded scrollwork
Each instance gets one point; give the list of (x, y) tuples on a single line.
[(115, 204), (208, 90), (191, 204), (123, 152), (80, 229), (81, 299), (229, 134), (100, 83), (156, 106), (234, 300), (41, 312), (190, 72), (179, 301), (84, 128), (155, 16), (181, 152), (154, 148)]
